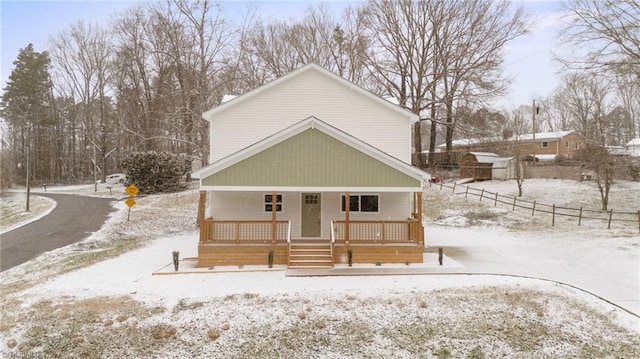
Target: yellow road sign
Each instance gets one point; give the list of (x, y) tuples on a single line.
[(130, 202), (132, 190)]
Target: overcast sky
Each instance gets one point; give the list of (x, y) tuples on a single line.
[(528, 59)]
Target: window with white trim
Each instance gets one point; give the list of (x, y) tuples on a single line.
[(361, 203), (545, 144), (268, 203)]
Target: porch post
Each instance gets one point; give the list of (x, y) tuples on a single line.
[(201, 207), (419, 212), (347, 205), (273, 217)]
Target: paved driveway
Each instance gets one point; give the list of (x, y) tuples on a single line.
[(592, 264), (73, 219)]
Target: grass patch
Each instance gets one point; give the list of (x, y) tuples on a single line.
[(474, 323), (184, 305)]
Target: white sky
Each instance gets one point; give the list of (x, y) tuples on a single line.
[(528, 60)]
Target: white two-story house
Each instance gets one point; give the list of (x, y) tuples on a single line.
[(310, 170)]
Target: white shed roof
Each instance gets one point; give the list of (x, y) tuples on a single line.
[(633, 143), (486, 157)]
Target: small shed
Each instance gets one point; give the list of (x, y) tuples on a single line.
[(505, 168), (482, 166), (477, 165)]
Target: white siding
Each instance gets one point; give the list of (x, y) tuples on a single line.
[(311, 93), (250, 206)]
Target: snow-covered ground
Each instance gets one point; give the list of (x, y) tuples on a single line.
[(117, 307), (14, 212)]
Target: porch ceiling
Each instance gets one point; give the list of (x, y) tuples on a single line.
[(315, 160)]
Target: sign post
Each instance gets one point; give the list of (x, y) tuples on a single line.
[(132, 190)]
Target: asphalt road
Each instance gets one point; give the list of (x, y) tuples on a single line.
[(73, 219)]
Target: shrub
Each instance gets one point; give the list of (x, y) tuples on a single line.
[(155, 171), (162, 331), (270, 259), (213, 333)]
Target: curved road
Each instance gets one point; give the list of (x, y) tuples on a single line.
[(73, 219)]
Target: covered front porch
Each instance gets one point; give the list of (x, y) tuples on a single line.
[(339, 237)]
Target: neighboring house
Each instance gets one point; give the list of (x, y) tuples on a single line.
[(486, 166), (310, 170), (633, 147), (546, 145)]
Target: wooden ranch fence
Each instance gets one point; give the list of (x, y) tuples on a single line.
[(580, 214)]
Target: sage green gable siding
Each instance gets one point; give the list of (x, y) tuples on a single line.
[(311, 159)]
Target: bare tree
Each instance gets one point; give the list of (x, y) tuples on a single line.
[(138, 74), (82, 58), (574, 96), (275, 48), (590, 101), (606, 39), (470, 49), (520, 124), (402, 56), (610, 28), (628, 93), (441, 55)]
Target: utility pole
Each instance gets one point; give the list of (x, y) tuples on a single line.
[(28, 174), (535, 112), (95, 170)]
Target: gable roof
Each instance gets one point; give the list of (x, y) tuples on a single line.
[(403, 169), (209, 115)]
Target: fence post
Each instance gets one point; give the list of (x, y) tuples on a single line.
[(495, 203), (553, 216), (610, 215), (580, 217), (441, 185), (533, 209), (638, 220), (467, 192), (514, 203), (454, 188), (481, 194)]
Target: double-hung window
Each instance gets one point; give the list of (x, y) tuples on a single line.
[(361, 203)]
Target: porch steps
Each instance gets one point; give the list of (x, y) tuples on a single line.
[(305, 254)]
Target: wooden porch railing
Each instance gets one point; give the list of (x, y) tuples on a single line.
[(243, 231), (409, 231)]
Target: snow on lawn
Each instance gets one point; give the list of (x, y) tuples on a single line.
[(13, 209), (118, 308)]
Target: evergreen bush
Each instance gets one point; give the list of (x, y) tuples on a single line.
[(154, 172)]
